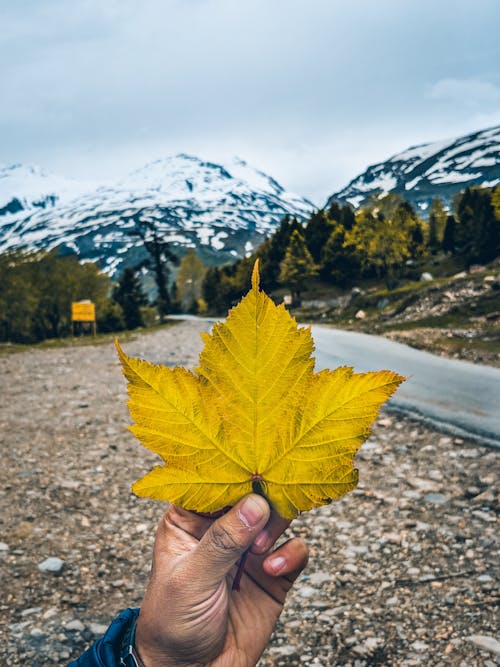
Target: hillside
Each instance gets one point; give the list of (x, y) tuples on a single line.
[(456, 316), (223, 211), (427, 171)]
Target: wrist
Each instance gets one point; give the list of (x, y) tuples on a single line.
[(146, 653)]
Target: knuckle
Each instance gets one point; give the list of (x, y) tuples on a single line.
[(223, 542)]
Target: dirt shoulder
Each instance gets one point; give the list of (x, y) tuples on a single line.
[(402, 570)]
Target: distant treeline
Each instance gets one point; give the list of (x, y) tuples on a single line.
[(38, 288), (384, 239), (36, 292)]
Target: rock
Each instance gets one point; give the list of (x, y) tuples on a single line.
[(468, 453), (75, 626), (98, 629), (426, 277), (360, 315), (37, 633), (367, 647), (419, 646), (392, 602), (30, 611), (319, 578), (284, 650), (485, 643), (484, 516), (435, 498), (3, 547), (51, 564), (350, 567), (307, 591), (18, 627)]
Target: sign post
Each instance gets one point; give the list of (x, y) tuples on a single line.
[(83, 311)]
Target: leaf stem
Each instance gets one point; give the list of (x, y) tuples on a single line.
[(240, 570)]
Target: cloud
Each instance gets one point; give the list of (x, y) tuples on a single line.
[(465, 92), (307, 91)]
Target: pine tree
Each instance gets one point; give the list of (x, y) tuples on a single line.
[(129, 295), (437, 222), (477, 235), (160, 256), (338, 263), (271, 254), (316, 233), (347, 217), (464, 230), (298, 266), (487, 242), (448, 243), (335, 211)]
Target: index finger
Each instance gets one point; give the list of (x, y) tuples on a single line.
[(274, 528), (190, 522)]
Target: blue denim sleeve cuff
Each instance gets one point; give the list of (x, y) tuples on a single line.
[(114, 648)]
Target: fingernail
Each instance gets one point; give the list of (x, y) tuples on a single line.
[(261, 541), (251, 512), (277, 564)]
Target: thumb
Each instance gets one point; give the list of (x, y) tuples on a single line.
[(229, 537)]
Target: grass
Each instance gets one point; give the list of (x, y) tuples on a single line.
[(82, 341), (467, 328)]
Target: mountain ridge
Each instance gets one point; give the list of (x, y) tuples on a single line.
[(222, 210), (429, 170)]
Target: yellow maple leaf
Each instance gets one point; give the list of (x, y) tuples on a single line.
[(253, 416)]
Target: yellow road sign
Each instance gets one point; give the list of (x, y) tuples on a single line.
[(82, 311)]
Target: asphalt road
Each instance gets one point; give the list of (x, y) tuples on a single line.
[(458, 396)]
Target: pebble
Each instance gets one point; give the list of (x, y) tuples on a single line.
[(486, 643), (37, 633), (319, 578), (30, 611), (392, 602), (307, 591), (435, 498), (284, 650), (484, 516), (419, 646), (51, 564), (98, 629), (75, 626)]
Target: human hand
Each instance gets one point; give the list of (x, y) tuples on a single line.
[(190, 615)]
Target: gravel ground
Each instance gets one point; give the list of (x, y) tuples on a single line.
[(402, 570)]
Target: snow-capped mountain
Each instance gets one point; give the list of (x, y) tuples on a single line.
[(221, 210), (28, 188), (424, 172)]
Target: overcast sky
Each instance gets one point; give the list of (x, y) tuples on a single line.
[(311, 91)]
